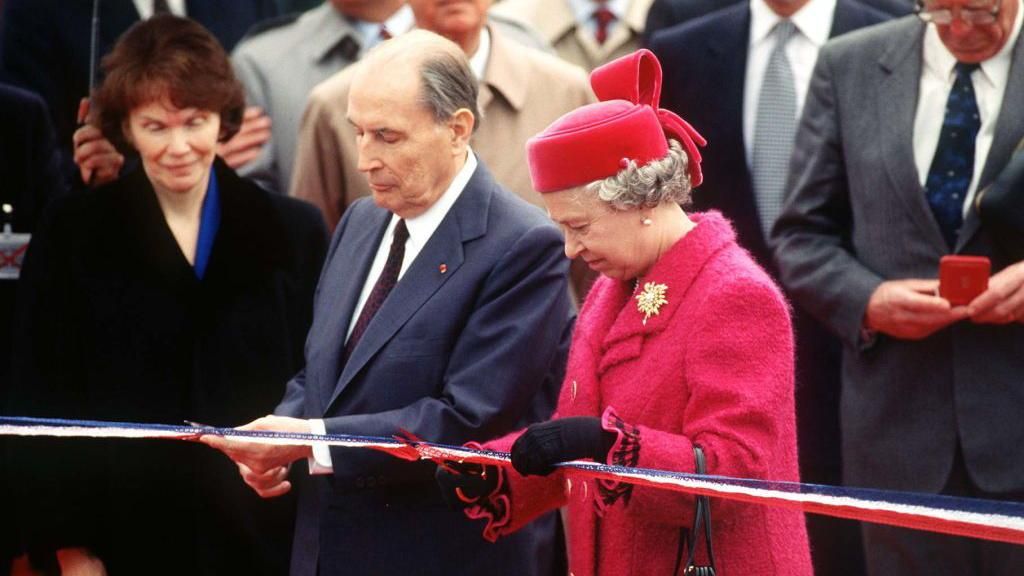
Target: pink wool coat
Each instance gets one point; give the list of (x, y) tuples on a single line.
[(714, 367)]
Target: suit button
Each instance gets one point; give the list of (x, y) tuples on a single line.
[(360, 482), (382, 481), (371, 482)]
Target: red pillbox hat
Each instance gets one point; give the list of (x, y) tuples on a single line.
[(596, 141)]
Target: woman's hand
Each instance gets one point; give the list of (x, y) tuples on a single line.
[(543, 445)]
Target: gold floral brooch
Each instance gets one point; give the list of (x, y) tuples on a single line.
[(650, 300)]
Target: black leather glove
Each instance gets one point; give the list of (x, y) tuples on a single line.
[(464, 484), (543, 445)]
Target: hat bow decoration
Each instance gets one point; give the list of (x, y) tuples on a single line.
[(598, 140), (636, 78)]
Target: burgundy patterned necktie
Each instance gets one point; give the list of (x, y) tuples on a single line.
[(604, 17), (385, 283), (161, 7)]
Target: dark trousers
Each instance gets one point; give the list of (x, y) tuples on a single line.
[(890, 551)]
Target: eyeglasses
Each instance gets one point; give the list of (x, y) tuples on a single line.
[(973, 15)]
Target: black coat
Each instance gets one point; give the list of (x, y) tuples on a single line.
[(29, 178), (114, 325)]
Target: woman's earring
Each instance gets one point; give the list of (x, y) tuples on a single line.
[(646, 221)]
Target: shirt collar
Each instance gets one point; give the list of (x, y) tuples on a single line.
[(940, 61), (478, 61), (583, 10), (398, 23), (422, 226), (814, 21)]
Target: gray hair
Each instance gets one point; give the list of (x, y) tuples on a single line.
[(664, 180), (448, 85)]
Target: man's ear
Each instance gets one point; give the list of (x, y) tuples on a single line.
[(461, 124)]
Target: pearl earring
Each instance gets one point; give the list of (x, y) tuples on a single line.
[(646, 221)]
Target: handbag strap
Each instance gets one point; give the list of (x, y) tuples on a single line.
[(701, 516)]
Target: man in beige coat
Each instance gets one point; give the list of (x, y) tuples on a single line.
[(573, 26), (521, 92)]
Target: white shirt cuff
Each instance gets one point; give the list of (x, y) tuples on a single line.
[(321, 462)]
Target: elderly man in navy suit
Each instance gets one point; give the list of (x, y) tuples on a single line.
[(442, 310)]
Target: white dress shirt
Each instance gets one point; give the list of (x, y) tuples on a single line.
[(813, 24), (145, 8), (583, 11), (478, 61), (421, 228), (937, 78)]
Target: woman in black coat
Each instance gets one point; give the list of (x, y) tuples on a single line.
[(179, 292)]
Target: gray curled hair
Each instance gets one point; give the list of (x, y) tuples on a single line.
[(638, 187), (448, 85)]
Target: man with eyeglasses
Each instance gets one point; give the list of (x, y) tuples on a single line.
[(903, 123)]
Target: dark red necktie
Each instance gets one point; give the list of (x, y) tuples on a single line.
[(161, 7), (385, 283), (604, 18)]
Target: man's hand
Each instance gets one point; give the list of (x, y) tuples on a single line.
[(97, 159), (1003, 302), (910, 310), (270, 484), (264, 467), (246, 145)]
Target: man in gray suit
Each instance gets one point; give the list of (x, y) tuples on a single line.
[(281, 61), (885, 168)]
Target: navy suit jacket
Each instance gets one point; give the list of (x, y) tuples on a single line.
[(705, 71), (470, 344)]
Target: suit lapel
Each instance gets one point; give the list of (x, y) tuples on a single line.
[(466, 220), (239, 259), (1009, 131), (348, 269), (895, 106)]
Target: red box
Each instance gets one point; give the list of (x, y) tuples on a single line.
[(963, 278)]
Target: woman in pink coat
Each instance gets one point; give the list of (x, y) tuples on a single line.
[(682, 341)]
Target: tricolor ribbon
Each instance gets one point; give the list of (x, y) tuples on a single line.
[(984, 519)]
